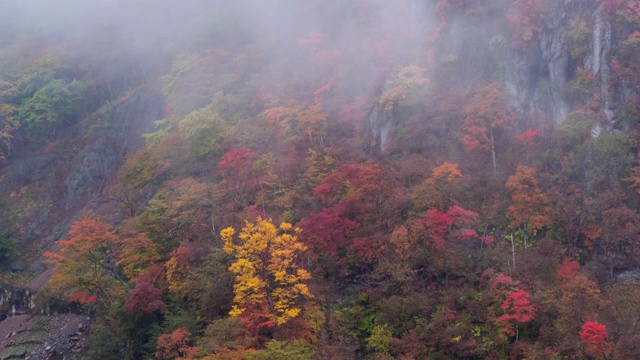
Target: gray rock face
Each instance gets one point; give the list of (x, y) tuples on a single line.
[(18, 266), (536, 78), (598, 63), (380, 125), (108, 144), (50, 186), (13, 301), (42, 337), (632, 276)]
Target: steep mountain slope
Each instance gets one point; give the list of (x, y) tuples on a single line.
[(327, 179)]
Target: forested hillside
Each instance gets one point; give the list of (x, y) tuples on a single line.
[(326, 179)]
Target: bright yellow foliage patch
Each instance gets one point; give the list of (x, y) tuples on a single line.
[(266, 269)]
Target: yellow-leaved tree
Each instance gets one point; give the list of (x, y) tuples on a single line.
[(269, 280)]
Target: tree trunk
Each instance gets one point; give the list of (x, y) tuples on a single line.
[(493, 154), (513, 252)]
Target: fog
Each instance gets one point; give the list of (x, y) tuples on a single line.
[(147, 29)]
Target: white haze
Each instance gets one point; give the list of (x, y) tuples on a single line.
[(146, 29)]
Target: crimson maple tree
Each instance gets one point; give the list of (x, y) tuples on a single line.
[(145, 297), (239, 177), (518, 308), (328, 231), (594, 337)]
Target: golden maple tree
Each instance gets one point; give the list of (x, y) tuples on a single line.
[(266, 270)]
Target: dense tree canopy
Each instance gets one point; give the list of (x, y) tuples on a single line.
[(332, 179)]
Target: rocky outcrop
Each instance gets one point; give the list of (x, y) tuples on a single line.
[(380, 126), (113, 134), (14, 301), (51, 184), (632, 276), (536, 78), (598, 63), (43, 337)]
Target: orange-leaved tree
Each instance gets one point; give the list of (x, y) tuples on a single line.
[(634, 178), (177, 270), (96, 257), (175, 345), (529, 205), (445, 180), (529, 209), (485, 115), (268, 278)]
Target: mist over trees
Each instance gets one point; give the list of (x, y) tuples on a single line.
[(366, 179)]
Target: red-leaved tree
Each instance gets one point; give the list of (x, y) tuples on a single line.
[(594, 337), (146, 297), (237, 171), (517, 308), (568, 269)]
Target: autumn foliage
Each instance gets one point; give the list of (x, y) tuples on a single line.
[(529, 204), (268, 276), (236, 165), (523, 18), (568, 269), (518, 308), (145, 296), (175, 346), (485, 114), (464, 188), (96, 258), (328, 231), (594, 337), (486, 119)]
